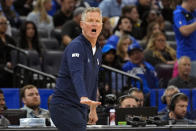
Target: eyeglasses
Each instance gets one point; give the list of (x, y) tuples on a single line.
[(161, 40), (3, 23)]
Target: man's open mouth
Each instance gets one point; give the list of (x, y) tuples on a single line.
[(93, 30)]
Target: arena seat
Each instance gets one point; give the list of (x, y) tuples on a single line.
[(50, 44), (164, 73), (52, 61)]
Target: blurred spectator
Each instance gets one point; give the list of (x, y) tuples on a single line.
[(143, 6), (184, 79), (2, 102), (5, 59), (166, 98), (71, 28), (111, 8), (132, 13), (101, 40), (158, 51), (23, 7), (130, 2), (93, 3), (127, 101), (138, 94), (109, 59), (174, 3), (82, 3), (109, 55), (31, 99), (122, 50), (10, 13), (148, 17), (185, 31), (152, 28), (123, 26), (3, 121), (166, 10), (107, 28), (29, 38), (65, 13), (178, 109), (40, 16), (139, 67), (56, 5)]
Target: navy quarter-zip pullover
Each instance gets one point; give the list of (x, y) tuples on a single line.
[(78, 74)]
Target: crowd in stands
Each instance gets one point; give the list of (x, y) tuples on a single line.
[(135, 39)]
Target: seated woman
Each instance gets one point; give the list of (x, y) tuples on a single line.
[(158, 51), (152, 28), (122, 50), (29, 39), (40, 16)]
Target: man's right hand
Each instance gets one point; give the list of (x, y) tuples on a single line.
[(85, 100)]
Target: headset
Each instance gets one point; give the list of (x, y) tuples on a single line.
[(132, 90), (121, 98), (173, 100), (163, 97)]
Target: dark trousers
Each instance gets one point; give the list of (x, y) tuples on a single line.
[(68, 118)]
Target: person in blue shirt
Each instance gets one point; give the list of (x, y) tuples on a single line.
[(111, 8), (123, 27), (76, 85), (184, 18), (137, 66)]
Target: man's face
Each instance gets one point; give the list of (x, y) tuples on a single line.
[(140, 97), (31, 98), (69, 5), (3, 25), (180, 109), (129, 103), (2, 102), (136, 56), (125, 25), (184, 67), (134, 15), (92, 25)]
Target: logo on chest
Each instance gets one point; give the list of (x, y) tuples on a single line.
[(75, 55)]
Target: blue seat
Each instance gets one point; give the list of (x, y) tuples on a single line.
[(12, 97), (155, 98), (44, 94), (194, 99)]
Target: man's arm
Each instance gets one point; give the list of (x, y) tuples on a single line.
[(186, 30), (93, 113)]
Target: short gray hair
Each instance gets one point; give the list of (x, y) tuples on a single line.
[(183, 57), (90, 9), (171, 88)]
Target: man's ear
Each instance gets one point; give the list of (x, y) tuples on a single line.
[(81, 24), (23, 100)]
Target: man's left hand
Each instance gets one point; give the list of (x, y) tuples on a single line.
[(92, 118)]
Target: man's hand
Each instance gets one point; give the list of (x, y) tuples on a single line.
[(92, 104), (92, 118), (85, 100)]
